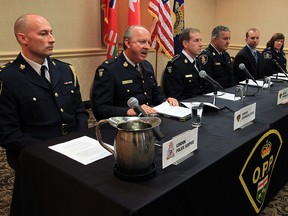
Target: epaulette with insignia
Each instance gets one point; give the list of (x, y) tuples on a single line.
[(175, 58), (109, 61), (5, 66)]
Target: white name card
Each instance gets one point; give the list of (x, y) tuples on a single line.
[(282, 96), (244, 116), (179, 147)]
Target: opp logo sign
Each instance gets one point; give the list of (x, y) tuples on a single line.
[(257, 171)]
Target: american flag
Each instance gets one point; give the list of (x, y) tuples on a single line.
[(110, 27), (162, 30)]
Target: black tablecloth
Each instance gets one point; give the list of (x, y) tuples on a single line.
[(207, 183)]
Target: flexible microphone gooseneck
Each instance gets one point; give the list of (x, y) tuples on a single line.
[(215, 84), (279, 67), (248, 74), (134, 104)]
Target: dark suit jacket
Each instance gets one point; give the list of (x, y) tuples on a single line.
[(31, 110), (246, 57), (116, 81)]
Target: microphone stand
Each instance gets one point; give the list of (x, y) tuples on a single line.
[(214, 97), (277, 80), (246, 86)]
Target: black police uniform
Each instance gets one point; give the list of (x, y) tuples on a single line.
[(217, 66), (246, 57), (32, 110), (269, 67), (181, 79), (116, 81)]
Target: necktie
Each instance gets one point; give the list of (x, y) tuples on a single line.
[(43, 73), (138, 68), (255, 56), (195, 63)]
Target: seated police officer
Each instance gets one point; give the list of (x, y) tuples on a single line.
[(129, 75), (181, 78), (215, 60), (35, 107)]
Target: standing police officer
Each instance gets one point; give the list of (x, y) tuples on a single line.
[(35, 107)]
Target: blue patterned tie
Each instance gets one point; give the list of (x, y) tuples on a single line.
[(255, 55)]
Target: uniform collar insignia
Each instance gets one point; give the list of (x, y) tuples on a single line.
[(125, 64), (186, 61), (22, 67)]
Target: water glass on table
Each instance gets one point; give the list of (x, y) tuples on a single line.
[(196, 113)]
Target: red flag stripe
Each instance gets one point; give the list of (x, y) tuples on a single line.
[(162, 30)]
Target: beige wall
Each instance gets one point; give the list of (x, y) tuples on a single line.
[(77, 28)]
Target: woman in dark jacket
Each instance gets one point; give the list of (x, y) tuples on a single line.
[(273, 54)]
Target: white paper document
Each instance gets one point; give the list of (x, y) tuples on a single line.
[(173, 111), (225, 95), (252, 83), (189, 104), (83, 149)]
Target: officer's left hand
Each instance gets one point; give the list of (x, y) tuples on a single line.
[(172, 101)]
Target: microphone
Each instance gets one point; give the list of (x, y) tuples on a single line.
[(279, 67), (215, 84), (243, 68), (134, 104)]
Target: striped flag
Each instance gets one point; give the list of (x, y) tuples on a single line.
[(134, 12), (162, 31), (110, 27), (179, 25)]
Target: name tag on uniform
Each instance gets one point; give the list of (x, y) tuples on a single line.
[(124, 82), (217, 63), (188, 75)]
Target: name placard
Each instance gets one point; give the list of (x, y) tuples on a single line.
[(244, 116), (179, 147), (282, 96)]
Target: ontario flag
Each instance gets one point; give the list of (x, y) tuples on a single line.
[(161, 31), (179, 25), (134, 13), (110, 27)]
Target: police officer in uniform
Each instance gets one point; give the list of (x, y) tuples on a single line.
[(35, 108), (129, 75), (274, 50), (215, 60), (181, 78)]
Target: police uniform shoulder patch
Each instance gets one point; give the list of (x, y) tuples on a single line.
[(267, 55), (203, 58), (169, 69), (100, 72)]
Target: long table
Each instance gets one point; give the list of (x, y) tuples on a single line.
[(233, 172)]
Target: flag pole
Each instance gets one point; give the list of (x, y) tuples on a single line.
[(156, 65)]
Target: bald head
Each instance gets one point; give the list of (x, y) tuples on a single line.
[(24, 23)]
